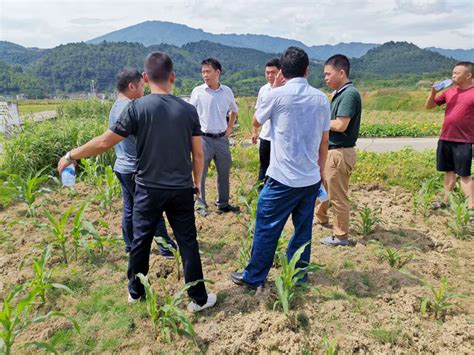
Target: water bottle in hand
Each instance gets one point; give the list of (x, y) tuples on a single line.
[(322, 194), (443, 84), (68, 175)]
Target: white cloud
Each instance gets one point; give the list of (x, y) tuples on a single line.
[(440, 23)]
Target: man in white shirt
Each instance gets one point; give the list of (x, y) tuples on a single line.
[(212, 101), (300, 117), (272, 67)]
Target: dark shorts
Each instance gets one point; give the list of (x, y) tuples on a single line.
[(454, 156)]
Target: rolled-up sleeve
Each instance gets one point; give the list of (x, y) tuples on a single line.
[(127, 122)]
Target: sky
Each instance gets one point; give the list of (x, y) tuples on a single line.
[(426, 23)]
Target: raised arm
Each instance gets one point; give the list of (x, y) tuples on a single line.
[(430, 101)]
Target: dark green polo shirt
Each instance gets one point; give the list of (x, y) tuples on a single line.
[(346, 103)]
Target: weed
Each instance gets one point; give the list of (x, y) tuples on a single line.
[(386, 336), (439, 302), (175, 251), (290, 276), (58, 229), (461, 226), (368, 220)]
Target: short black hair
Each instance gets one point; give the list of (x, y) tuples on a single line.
[(213, 62), (339, 61), (294, 62), (158, 66), (468, 65), (274, 62), (125, 77)]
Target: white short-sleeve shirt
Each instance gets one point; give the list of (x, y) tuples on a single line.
[(299, 114), (212, 107), (265, 131)]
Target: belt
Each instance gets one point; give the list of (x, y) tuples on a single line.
[(331, 147), (213, 135)]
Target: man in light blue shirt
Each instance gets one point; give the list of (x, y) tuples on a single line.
[(300, 121), (130, 86)]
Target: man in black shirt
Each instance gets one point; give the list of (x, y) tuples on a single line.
[(167, 133)]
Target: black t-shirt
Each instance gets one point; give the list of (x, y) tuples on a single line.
[(163, 126)]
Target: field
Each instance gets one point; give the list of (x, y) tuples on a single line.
[(405, 286)]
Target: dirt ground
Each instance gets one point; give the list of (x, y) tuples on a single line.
[(364, 305)]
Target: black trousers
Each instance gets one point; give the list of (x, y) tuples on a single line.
[(264, 152), (178, 205), (127, 182)]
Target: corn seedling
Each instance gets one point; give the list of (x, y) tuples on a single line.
[(58, 230), (439, 301), (426, 195), (92, 173), (27, 190), (290, 276), (396, 258), (330, 346), (168, 317), (175, 251), (98, 242), (461, 225), (41, 282), (15, 316), (110, 188), (77, 227), (368, 220)]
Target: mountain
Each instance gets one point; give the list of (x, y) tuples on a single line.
[(157, 32), (397, 58), (12, 53), (459, 54)]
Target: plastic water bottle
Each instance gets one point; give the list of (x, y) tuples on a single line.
[(443, 84), (322, 194), (68, 175)]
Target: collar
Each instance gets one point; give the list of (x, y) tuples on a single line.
[(207, 87), (298, 80), (349, 83)]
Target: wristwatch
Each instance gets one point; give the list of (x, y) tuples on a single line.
[(68, 157)]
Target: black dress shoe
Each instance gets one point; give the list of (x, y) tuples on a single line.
[(228, 208), (238, 279)]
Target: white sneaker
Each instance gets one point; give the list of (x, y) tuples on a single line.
[(211, 301), (132, 300)]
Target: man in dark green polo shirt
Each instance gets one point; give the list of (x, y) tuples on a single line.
[(346, 108)]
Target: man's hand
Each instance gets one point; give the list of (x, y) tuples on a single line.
[(197, 192), (279, 80), (63, 163), (254, 135), (228, 131)]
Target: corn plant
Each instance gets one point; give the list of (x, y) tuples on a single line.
[(110, 187), (58, 230), (168, 317), (290, 276), (396, 258), (92, 173), (368, 220), (4, 230), (461, 225), (41, 282), (426, 195), (439, 301), (330, 346), (175, 251), (28, 189), (77, 227), (15, 316), (98, 242)]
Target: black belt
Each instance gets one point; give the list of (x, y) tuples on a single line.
[(331, 147), (213, 135)]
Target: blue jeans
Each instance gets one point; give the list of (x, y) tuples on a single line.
[(275, 204), (127, 183)]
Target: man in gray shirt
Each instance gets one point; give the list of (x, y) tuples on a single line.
[(212, 101), (130, 86)]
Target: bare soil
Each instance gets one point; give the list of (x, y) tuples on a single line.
[(363, 304)]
